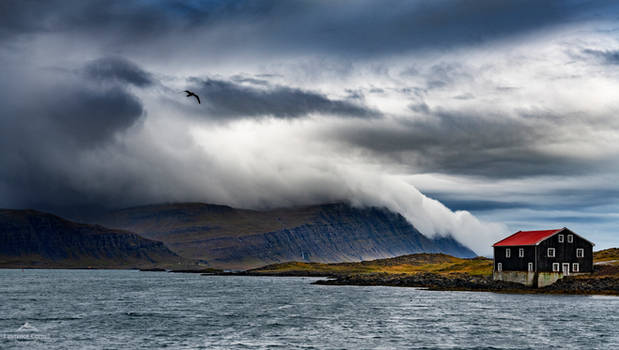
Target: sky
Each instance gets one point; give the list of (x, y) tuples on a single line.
[(474, 119)]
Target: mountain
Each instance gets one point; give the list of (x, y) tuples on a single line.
[(30, 238), (239, 239)]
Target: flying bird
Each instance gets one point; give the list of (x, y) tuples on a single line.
[(189, 94)]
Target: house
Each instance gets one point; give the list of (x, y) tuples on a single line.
[(540, 258)]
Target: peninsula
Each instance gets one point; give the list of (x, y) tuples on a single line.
[(445, 272)]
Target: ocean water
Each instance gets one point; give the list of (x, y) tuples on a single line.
[(99, 309)]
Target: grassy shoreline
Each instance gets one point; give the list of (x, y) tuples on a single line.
[(444, 272)]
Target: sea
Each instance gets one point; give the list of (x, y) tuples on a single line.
[(127, 309)]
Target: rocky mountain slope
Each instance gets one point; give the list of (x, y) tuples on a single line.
[(240, 239), (30, 238)]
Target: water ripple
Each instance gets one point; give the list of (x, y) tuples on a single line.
[(149, 310)]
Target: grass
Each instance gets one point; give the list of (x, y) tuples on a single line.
[(607, 255), (417, 263), (407, 264)]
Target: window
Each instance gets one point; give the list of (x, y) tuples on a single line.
[(560, 238), (521, 252), (551, 252), (570, 238), (499, 267), (508, 253), (555, 267), (580, 253), (575, 267), (530, 267)]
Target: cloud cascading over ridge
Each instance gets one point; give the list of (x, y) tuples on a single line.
[(503, 111)]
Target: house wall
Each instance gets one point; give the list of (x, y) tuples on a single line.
[(514, 263), (530, 279), (565, 253), (526, 278), (547, 278)]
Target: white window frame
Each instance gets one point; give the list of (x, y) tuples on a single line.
[(508, 253), (561, 238), (580, 252), (550, 250), (575, 267), (499, 267), (556, 267), (521, 252), (570, 238), (530, 267)]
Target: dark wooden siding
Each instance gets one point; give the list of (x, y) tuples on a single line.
[(565, 252), (514, 263)]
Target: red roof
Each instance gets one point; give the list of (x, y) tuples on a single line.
[(526, 237)]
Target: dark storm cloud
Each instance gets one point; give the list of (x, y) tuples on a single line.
[(75, 115), (345, 27), (607, 56), (45, 128), (476, 143), (118, 69), (91, 116), (226, 99), (75, 140), (128, 20)]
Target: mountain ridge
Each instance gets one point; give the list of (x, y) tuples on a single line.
[(232, 238), (30, 238)]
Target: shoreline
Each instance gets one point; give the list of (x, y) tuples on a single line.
[(456, 282), (117, 268), (435, 282), (583, 285)]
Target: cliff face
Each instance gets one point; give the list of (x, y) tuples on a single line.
[(240, 239), (33, 239)]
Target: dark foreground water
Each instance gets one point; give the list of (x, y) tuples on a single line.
[(98, 309)]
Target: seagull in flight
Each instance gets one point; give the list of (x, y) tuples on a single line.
[(189, 94)]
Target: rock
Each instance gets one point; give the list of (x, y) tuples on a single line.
[(568, 285), (425, 280)]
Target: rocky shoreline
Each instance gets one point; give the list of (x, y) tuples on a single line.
[(465, 282)]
